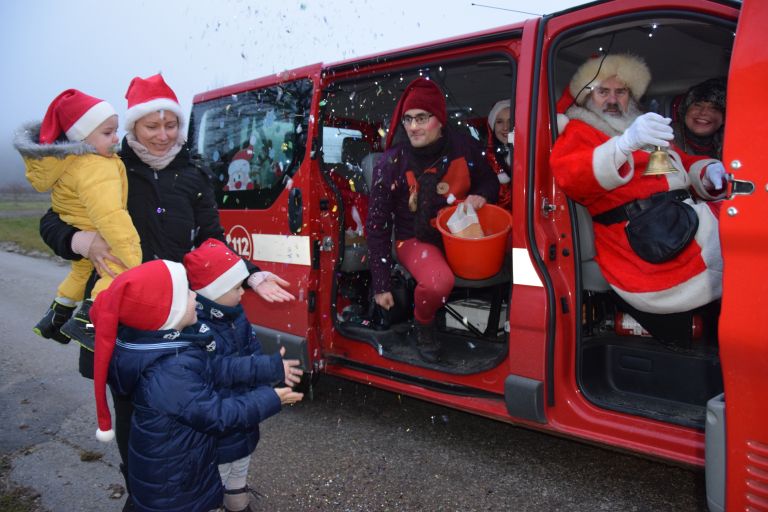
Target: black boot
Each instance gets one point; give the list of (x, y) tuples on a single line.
[(80, 328), (56, 316), (426, 345)]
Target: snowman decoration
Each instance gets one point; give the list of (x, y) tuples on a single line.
[(239, 171)]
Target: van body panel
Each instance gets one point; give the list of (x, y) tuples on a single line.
[(744, 236)]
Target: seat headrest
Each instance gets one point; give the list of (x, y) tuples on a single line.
[(353, 149)]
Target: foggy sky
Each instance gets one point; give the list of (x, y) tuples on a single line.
[(97, 46)]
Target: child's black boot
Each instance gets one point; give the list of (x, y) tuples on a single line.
[(80, 328), (56, 316), (239, 500)]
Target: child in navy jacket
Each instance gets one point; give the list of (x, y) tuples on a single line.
[(216, 274), (159, 356)]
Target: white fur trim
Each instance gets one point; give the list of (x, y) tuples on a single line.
[(233, 276), (136, 112), (562, 122), (699, 290), (180, 294), (607, 159), (105, 436), (630, 69), (91, 120)]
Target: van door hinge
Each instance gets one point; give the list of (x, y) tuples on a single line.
[(547, 207), (311, 301)]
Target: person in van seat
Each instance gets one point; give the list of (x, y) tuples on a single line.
[(656, 242), (700, 119), (432, 168), (499, 151)]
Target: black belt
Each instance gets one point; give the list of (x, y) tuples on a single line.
[(631, 209)]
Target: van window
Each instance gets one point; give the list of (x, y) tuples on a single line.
[(252, 142)]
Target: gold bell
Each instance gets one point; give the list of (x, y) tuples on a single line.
[(659, 163)]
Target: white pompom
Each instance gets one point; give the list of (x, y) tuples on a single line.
[(450, 199), (105, 436), (503, 178)]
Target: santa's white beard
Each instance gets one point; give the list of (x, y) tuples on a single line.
[(618, 123)]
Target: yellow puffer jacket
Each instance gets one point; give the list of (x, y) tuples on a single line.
[(89, 191)]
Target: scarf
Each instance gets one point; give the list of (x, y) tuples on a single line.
[(432, 156), (157, 163)]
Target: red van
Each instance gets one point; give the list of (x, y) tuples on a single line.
[(541, 344)]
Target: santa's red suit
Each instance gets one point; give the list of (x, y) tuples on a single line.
[(592, 171)]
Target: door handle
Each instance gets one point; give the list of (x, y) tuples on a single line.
[(295, 218)]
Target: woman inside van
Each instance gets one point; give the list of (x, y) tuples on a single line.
[(700, 119), (429, 169), (170, 202), (499, 151)]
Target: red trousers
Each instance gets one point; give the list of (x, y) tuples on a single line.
[(434, 278)]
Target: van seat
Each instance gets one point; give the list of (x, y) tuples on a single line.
[(356, 250), (368, 162), (591, 276)]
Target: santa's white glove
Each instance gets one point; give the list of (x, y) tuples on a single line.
[(649, 129), (714, 175)]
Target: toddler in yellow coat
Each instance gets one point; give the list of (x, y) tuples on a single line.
[(72, 154)]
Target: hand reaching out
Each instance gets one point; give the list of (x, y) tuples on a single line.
[(288, 396), (271, 289), (291, 368)]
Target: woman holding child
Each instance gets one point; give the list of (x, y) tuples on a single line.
[(172, 206)]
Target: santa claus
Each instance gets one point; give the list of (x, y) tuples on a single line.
[(599, 160)]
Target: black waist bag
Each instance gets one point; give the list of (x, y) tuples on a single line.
[(659, 227), (661, 232)]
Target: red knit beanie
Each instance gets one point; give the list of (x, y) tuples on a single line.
[(75, 114), (150, 297), (213, 269), (422, 94)]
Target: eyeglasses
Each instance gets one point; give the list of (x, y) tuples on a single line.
[(421, 119)]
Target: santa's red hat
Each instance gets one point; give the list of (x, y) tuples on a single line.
[(422, 94), (147, 95), (75, 114), (150, 297), (213, 269)]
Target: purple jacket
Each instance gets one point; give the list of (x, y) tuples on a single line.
[(390, 192)]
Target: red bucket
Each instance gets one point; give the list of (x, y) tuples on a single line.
[(477, 258)]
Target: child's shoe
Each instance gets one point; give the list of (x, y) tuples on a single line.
[(56, 316), (80, 328)]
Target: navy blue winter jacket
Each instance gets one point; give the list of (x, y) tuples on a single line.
[(235, 337), (179, 413)]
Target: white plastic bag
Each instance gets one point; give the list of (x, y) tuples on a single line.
[(465, 223)]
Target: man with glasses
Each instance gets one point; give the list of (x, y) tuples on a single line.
[(431, 168), (599, 161)]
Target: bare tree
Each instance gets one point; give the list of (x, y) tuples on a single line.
[(16, 190)]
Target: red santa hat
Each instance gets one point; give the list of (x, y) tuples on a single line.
[(631, 70), (150, 297), (147, 95), (422, 94), (213, 269), (75, 114)]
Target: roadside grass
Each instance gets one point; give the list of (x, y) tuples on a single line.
[(14, 498), (24, 233), (41, 206)]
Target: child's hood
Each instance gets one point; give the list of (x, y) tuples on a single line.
[(45, 163), (138, 351)]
